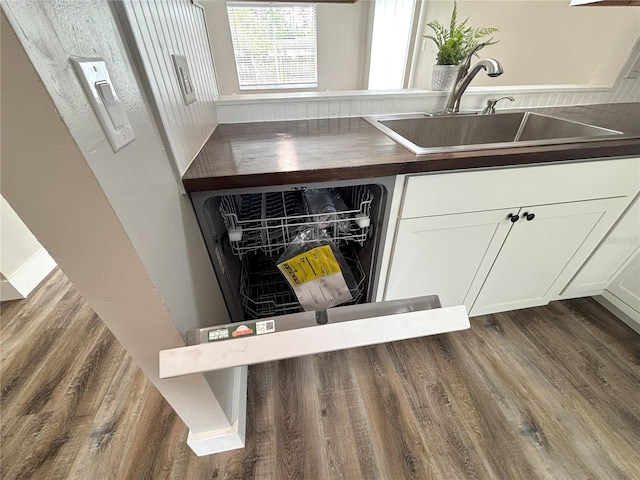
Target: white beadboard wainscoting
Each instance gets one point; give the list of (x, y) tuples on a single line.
[(263, 108), (159, 30)]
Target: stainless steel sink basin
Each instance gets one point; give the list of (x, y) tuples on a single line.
[(422, 134)]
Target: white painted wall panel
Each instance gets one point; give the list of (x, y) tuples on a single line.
[(114, 221), (252, 108), (17, 243), (24, 263), (541, 42), (160, 29)]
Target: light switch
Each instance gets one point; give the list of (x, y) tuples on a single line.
[(110, 103), (94, 77), (184, 79)]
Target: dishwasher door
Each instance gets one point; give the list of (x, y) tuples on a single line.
[(287, 336)]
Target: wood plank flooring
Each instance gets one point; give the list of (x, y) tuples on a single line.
[(550, 392)]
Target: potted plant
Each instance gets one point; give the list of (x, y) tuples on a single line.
[(454, 44)]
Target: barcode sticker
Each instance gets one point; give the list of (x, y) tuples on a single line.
[(266, 326), (247, 329)]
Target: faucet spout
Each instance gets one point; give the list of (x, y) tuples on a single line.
[(466, 75)]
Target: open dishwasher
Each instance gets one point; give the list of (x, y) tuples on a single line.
[(248, 231)]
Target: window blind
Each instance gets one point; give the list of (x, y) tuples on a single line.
[(275, 46)]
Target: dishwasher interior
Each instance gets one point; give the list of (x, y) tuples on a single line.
[(247, 230)]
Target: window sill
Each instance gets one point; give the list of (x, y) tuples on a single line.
[(249, 98)]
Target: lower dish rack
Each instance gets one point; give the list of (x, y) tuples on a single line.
[(266, 293), (268, 222)]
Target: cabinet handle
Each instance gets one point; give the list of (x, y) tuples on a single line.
[(513, 218), (529, 216)]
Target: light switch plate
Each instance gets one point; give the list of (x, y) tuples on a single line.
[(184, 78), (95, 80), (634, 70)]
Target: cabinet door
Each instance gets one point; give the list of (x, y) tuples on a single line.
[(612, 254), (627, 285), (443, 255), (541, 254)]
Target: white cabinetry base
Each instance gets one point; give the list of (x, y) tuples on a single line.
[(216, 441), (620, 309), (225, 439)]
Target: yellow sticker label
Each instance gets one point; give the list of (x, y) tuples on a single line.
[(315, 263)]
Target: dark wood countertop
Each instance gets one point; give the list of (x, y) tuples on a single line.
[(318, 150)]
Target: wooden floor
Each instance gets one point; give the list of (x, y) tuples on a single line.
[(551, 392)]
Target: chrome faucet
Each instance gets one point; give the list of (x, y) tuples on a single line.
[(466, 74)]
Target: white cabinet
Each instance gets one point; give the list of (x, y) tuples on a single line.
[(458, 236), (544, 248), (613, 253), (444, 254), (627, 285), (622, 297)]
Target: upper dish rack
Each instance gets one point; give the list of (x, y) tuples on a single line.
[(268, 222)]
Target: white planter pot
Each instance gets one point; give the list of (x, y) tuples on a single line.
[(443, 76)]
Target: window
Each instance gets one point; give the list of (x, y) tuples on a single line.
[(392, 23), (275, 46)]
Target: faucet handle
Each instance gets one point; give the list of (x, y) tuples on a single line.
[(491, 104)]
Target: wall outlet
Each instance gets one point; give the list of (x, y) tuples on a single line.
[(184, 79)]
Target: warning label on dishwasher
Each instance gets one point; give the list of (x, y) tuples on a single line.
[(316, 278), (310, 265), (245, 330)]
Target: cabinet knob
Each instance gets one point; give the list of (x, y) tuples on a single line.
[(513, 218), (529, 216)]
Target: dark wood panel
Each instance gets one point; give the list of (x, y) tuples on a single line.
[(548, 392), (280, 153)]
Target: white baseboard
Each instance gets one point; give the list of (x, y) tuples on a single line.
[(620, 309), (216, 441), (29, 275)]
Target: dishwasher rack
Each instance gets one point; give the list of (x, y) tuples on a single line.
[(266, 293), (268, 222)]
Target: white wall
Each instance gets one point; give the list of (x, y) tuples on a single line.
[(260, 108), (24, 263), (542, 42), (115, 222), (17, 242), (137, 180), (342, 31)]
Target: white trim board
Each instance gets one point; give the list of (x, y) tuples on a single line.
[(216, 441), (24, 280), (277, 107)]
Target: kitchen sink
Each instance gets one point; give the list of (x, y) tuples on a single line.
[(422, 134)]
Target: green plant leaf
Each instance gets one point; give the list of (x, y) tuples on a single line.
[(457, 41)]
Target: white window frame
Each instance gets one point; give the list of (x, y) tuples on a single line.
[(277, 82), (392, 34)]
